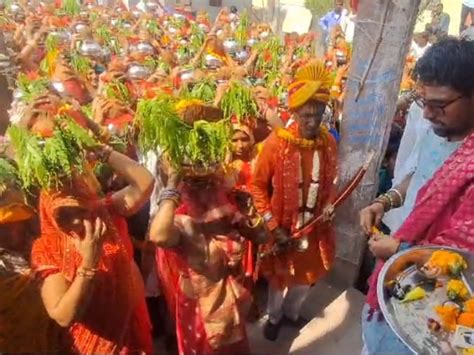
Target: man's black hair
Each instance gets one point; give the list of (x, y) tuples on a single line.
[(449, 62)]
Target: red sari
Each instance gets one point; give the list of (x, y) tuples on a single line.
[(205, 295), (443, 212), (116, 320)]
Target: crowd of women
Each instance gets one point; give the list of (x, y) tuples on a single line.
[(204, 152), (133, 139)]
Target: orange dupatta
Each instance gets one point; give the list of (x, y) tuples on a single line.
[(106, 324)]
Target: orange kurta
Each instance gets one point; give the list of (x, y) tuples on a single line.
[(277, 171)]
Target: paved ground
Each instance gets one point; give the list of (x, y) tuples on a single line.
[(333, 329)]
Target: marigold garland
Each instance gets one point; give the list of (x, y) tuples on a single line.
[(301, 142)]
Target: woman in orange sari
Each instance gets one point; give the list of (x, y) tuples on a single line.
[(244, 155), (91, 285)]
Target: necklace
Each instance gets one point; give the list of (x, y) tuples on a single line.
[(286, 135), (306, 208)]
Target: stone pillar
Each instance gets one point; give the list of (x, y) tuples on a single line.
[(382, 39)]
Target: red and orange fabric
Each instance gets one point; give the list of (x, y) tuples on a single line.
[(276, 168), (243, 171), (242, 168), (206, 297), (117, 319)]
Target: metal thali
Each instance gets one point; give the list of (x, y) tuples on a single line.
[(409, 320)]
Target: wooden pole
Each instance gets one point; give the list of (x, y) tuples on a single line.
[(383, 35)]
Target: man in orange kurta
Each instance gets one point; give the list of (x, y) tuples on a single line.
[(293, 182)]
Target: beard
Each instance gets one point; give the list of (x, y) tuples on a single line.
[(448, 132)]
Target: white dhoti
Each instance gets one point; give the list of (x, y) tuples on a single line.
[(287, 302)]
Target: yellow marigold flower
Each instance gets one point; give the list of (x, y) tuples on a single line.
[(457, 290)]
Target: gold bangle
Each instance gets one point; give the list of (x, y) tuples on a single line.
[(385, 200), (257, 224)]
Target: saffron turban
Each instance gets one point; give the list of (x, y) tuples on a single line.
[(312, 82)]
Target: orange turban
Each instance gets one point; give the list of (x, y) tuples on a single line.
[(312, 82)]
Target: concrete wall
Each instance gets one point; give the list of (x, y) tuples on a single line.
[(263, 9), (212, 10)]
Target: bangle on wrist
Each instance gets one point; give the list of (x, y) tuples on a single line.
[(385, 200), (399, 195), (170, 195), (86, 273)]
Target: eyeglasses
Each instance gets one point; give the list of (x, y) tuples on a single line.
[(437, 107)]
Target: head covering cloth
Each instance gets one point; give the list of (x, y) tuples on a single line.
[(243, 126)]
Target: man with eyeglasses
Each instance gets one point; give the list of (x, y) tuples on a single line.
[(439, 193)]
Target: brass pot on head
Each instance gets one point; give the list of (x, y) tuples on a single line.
[(212, 62)]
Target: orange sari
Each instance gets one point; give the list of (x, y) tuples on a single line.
[(116, 320)]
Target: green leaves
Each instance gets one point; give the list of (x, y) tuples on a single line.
[(51, 43), (80, 64), (105, 34), (31, 89), (8, 172), (238, 101), (197, 38), (50, 162), (204, 143), (270, 53), (204, 90), (118, 90), (241, 33), (71, 7)]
